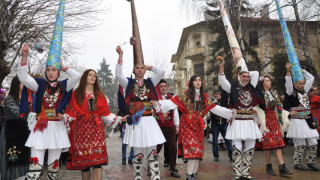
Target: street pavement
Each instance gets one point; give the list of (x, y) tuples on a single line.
[(208, 169)]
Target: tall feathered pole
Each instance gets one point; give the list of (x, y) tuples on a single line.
[(54, 55), (137, 47), (293, 58), (234, 45)]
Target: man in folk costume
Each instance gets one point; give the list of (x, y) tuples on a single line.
[(169, 124), (302, 128), (243, 99), (142, 131), (47, 128)]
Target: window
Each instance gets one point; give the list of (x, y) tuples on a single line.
[(199, 69), (253, 38), (197, 40)]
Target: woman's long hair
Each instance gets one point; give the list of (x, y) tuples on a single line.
[(191, 90), (271, 104), (81, 89), (15, 89)]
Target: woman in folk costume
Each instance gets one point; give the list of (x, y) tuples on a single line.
[(47, 128), (243, 99), (194, 104), (142, 130), (272, 138), (89, 108), (302, 128)]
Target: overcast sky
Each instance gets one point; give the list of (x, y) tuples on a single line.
[(160, 22)]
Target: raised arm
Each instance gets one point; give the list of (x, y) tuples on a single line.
[(74, 77), (254, 75), (119, 75), (23, 75), (158, 74), (224, 83), (309, 80)]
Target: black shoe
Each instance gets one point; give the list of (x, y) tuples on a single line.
[(130, 161), (124, 162), (300, 167), (185, 160), (165, 164), (269, 170), (174, 173), (313, 167), (216, 159), (283, 170)]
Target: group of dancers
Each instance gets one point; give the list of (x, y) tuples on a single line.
[(62, 119)]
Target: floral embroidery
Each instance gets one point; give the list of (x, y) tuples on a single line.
[(13, 154)]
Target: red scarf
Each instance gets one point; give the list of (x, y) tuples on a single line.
[(102, 108)]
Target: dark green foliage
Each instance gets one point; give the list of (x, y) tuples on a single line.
[(279, 72), (108, 84)]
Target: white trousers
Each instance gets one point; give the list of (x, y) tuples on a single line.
[(141, 150), (248, 144), (304, 141), (53, 154)]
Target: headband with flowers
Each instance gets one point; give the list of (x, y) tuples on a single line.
[(261, 78)]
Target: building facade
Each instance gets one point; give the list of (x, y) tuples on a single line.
[(264, 35)]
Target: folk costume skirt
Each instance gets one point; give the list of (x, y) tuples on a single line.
[(300, 129), (88, 143), (243, 130), (55, 136), (272, 139), (146, 134)]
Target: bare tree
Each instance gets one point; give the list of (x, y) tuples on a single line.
[(303, 38), (32, 21)]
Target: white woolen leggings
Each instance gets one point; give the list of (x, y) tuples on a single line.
[(141, 150), (303, 141), (53, 154), (249, 144), (192, 166)]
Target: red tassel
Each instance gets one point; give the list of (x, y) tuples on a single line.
[(35, 160), (31, 160), (41, 124), (55, 164), (155, 152)]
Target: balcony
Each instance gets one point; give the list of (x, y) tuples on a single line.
[(195, 53), (182, 65)]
